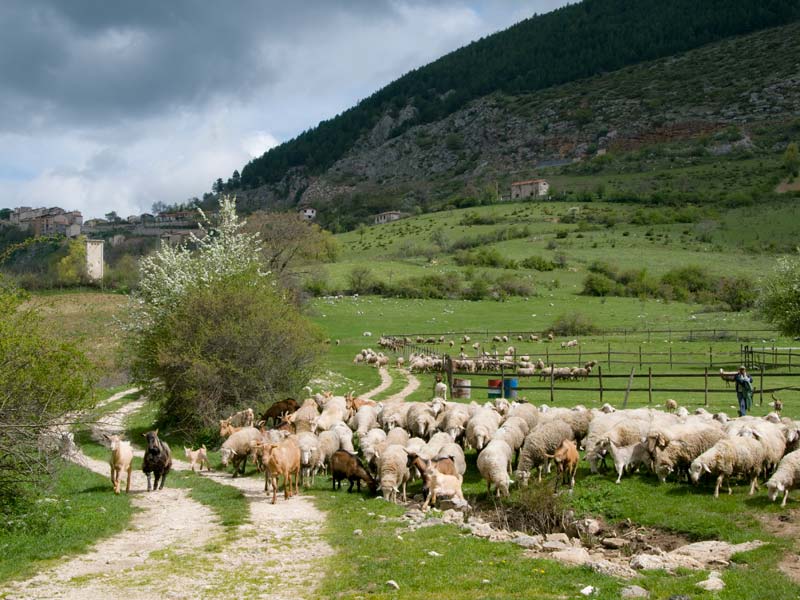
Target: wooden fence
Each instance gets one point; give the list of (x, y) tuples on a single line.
[(599, 382)]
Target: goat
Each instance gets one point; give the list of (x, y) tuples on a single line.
[(348, 466), (197, 457), (121, 459), (566, 458), (157, 460), (277, 411)]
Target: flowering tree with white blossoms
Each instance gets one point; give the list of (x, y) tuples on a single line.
[(212, 333), (779, 302)]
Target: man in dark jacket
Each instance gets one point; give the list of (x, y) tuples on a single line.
[(744, 391)]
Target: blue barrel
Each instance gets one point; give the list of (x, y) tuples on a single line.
[(510, 386), (495, 388)]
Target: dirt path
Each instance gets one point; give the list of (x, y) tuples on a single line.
[(411, 387), (175, 547), (386, 383)]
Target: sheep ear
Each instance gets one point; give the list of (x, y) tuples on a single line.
[(156, 431), (707, 470)]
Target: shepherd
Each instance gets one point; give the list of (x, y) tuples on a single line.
[(744, 390)]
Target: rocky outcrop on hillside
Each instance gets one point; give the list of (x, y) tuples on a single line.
[(738, 84)]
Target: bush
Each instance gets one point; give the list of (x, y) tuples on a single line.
[(597, 284), (779, 302), (41, 381), (361, 280), (537, 263), (739, 293), (484, 257), (230, 344), (603, 268), (574, 324)]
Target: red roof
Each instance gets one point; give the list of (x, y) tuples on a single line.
[(529, 181)]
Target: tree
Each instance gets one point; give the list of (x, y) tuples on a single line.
[(779, 301), (159, 207), (218, 186), (791, 160), (361, 280), (71, 269), (212, 332), (112, 217), (42, 380), (289, 242)]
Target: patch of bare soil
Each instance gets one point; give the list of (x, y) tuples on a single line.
[(386, 383), (411, 387), (786, 525)]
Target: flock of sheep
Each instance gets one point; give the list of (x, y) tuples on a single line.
[(398, 442)]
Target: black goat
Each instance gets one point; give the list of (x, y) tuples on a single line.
[(348, 466), (157, 460), (278, 410)]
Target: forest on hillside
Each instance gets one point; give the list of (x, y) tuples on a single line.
[(571, 43)]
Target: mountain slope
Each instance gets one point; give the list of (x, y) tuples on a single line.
[(573, 42)]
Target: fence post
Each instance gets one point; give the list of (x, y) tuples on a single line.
[(628, 390), (670, 358), (502, 380), (600, 377), (649, 385), (449, 363), (705, 387), (609, 355), (761, 386), (790, 360), (579, 355), (551, 384), (710, 357), (547, 355), (640, 357)]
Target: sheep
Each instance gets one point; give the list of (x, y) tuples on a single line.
[(493, 464), (569, 344), (226, 429), (673, 450), (157, 460), (590, 364), (243, 418), (238, 447), (440, 390), (420, 419), (281, 459), (511, 433), (436, 442), (279, 409), (538, 444), (394, 415), (394, 473), (455, 453), (785, 477), (632, 425), (397, 436), (365, 419), (670, 405), (345, 435), (328, 444), (309, 456), (197, 457), (305, 418), (441, 484), (526, 412), (453, 420), (580, 373), (566, 458), (727, 457), (347, 466), (607, 408), (335, 410), (578, 418), (121, 460), (770, 435), (481, 427)]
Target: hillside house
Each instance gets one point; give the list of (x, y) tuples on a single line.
[(386, 217), (532, 188), (47, 221), (309, 213)]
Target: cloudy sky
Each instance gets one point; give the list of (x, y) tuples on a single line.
[(111, 105)]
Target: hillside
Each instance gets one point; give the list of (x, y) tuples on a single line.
[(501, 131)]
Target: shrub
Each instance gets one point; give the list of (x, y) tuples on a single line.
[(484, 257), (41, 382), (232, 343), (692, 278), (779, 301), (597, 284), (603, 268), (574, 324), (361, 280), (537, 263), (739, 293)]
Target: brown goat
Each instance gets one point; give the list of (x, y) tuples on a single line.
[(348, 466), (277, 411), (566, 458), (281, 459)]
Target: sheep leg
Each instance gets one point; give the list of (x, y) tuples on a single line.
[(163, 480), (785, 497), (620, 469), (753, 485), (719, 483), (405, 498), (128, 482), (113, 477), (540, 473), (148, 482)]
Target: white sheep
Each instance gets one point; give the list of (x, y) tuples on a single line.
[(673, 449), (328, 444), (454, 452), (528, 412), (744, 455), (345, 435), (540, 442), (309, 456), (420, 419), (785, 478), (454, 420), (365, 419), (493, 464), (393, 471), (625, 456), (394, 415), (481, 427)]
